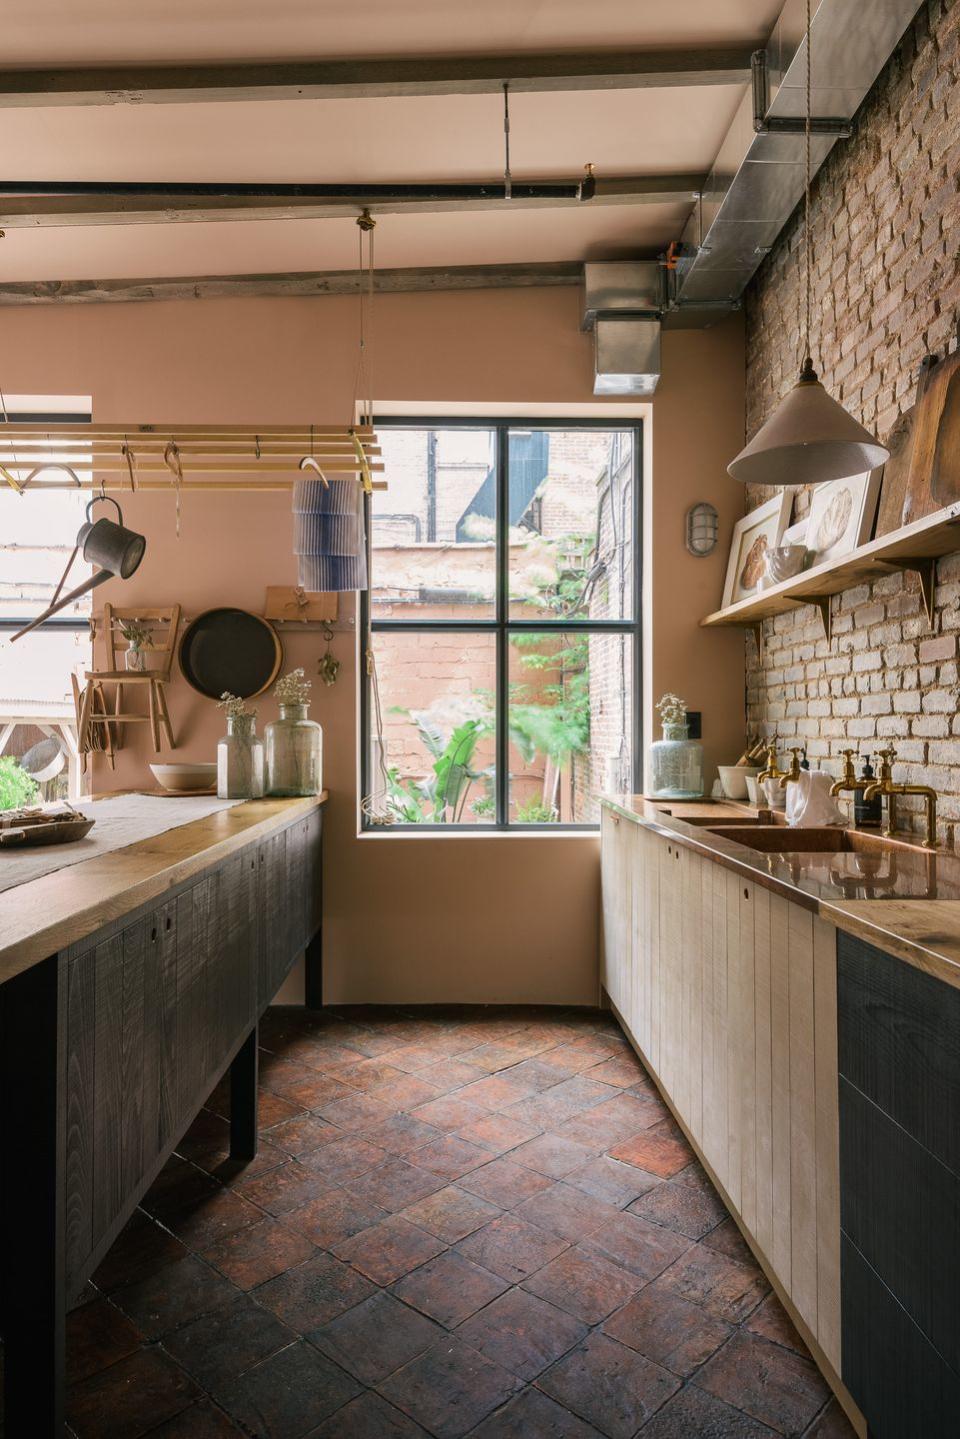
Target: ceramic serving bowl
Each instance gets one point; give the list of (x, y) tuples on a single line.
[(180, 777), (783, 562)]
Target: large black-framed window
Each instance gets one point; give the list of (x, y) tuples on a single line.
[(504, 619)]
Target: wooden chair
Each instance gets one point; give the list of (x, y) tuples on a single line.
[(96, 713)]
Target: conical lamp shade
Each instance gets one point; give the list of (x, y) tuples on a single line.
[(808, 440)]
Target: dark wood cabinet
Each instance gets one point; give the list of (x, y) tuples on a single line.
[(899, 1052), (133, 1028)]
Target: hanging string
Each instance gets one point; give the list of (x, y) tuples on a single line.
[(507, 178), (807, 242), (363, 384)]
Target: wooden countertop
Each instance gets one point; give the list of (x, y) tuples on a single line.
[(45, 915), (912, 912)]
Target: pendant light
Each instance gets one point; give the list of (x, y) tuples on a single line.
[(809, 439)]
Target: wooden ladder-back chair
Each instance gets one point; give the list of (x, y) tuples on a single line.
[(96, 710)]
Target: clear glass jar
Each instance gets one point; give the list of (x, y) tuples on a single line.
[(676, 765), (134, 659), (294, 753), (240, 761)]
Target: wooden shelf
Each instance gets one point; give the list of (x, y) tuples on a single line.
[(915, 547)]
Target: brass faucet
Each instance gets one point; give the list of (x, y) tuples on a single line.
[(770, 771), (848, 780), (884, 785)]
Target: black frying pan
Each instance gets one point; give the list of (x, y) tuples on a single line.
[(229, 650)]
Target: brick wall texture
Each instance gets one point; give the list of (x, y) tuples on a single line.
[(886, 274)]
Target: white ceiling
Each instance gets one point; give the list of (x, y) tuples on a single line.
[(442, 138)]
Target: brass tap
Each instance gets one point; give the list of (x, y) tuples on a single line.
[(783, 776), (848, 780), (770, 770), (885, 785)]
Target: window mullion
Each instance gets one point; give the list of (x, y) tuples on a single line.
[(502, 608)]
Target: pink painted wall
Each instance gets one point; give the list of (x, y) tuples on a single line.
[(419, 919)]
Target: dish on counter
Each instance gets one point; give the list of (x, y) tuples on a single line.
[(186, 778), (19, 827)]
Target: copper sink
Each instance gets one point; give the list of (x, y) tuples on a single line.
[(778, 839)]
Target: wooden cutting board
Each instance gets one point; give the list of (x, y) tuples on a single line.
[(934, 478), (893, 486)]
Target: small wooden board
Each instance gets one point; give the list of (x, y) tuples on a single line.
[(288, 602), (930, 466)]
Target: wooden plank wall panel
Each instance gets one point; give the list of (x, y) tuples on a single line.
[(735, 1039), (803, 1136), (828, 1139), (167, 1014), (653, 923), (80, 1100), (693, 926), (711, 1124), (190, 1002), (610, 825), (762, 1069), (139, 941), (107, 1085), (746, 1003), (780, 1086)]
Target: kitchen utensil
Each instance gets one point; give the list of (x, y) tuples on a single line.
[(230, 651), (30, 827), (936, 407), (181, 778)]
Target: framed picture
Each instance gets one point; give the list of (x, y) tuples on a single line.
[(842, 515), (756, 533)]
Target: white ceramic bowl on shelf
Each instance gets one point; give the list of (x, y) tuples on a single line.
[(178, 778)]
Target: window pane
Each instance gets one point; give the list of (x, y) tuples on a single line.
[(437, 762), (571, 724), (35, 696), (434, 529), (571, 523), (37, 535)]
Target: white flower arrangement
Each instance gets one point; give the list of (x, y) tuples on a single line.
[(672, 710), (238, 712), (293, 688)]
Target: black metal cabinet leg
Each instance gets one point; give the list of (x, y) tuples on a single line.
[(243, 1099), (313, 972), (32, 1254)]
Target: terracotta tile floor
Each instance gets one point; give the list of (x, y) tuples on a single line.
[(468, 1221)]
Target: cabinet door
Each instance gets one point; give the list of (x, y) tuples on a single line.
[(671, 941)]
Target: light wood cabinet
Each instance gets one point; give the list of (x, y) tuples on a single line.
[(728, 991)]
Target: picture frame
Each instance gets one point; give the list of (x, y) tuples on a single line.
[(761, 530), (842, 515)]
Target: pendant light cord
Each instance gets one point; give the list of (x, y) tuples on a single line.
[(807, 367)]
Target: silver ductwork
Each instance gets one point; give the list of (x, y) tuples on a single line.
[(622, 305), (757, 179)]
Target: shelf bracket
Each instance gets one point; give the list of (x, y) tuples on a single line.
[(822, 603), (925, 569), (757, 628)]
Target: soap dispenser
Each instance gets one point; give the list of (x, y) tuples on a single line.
[(867, 812)]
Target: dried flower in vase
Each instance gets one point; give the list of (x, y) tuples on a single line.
[(293, 688), (237, 712), (672, 710)]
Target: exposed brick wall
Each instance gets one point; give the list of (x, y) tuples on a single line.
[(886, 246)]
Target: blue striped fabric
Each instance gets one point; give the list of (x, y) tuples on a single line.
[(328, 535)]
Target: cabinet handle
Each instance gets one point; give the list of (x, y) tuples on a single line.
[(169, 922), (746, 894), (153, 935)]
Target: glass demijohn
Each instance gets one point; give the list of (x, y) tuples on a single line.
[(294, 744)]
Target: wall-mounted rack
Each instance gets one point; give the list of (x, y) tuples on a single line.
[(115, 457), (914, 548)]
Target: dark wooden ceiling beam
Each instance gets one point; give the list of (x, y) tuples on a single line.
[(295, 284), (29, 212), (369, 79)]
